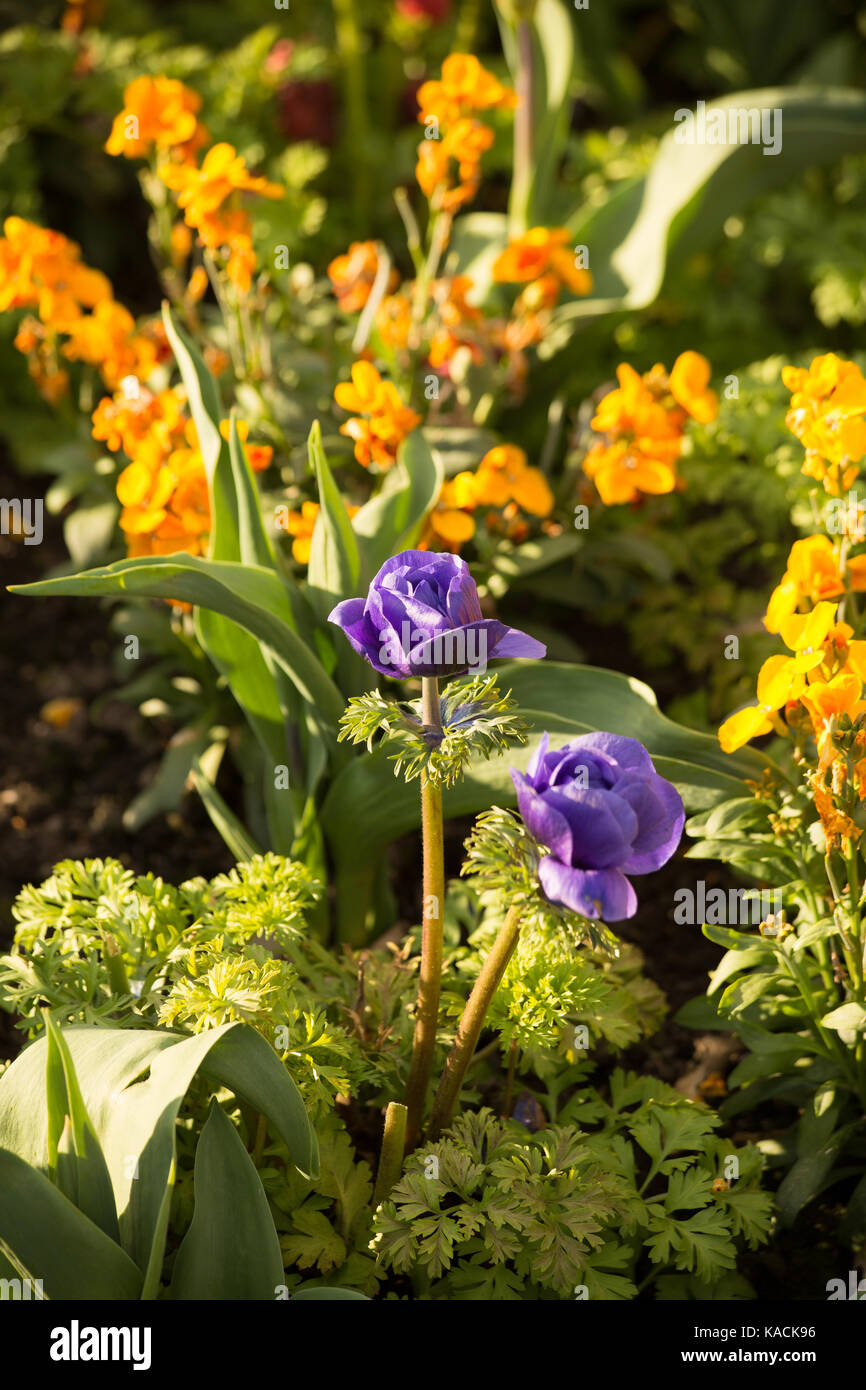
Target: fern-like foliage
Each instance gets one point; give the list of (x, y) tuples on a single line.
[(477, 721)]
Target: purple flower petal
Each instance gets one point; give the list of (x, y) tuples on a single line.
[(594, 893)]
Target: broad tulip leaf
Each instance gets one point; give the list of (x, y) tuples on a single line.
[(76, 1161), (54, 1241), (231, 1250), (391, 521), (133, 1083), (252, 597), (335, 562)]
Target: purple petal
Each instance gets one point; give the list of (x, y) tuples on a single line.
[(602, 824), (543, 821), (538, 756), (514, 643), (661, 816), (627, 753), (594, 893)]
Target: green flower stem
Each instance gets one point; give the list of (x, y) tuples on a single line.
[(472, 1021), (430, 979), (519, 209), (351, 57), (391, 1157), (117, 976)]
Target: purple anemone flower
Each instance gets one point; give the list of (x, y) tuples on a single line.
[(601, 809), (422, 617)]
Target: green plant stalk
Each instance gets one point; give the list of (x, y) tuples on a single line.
[(472, 1021), (433, 889), (116, 970), (521, 189), (350, 52), (391, 1157)]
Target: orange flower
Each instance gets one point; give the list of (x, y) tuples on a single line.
[(539, 252), (107, 339), (504, 476), (156, 111), (353, 274), (301, 525), (200, 192), (465, 86), (378, 437), (126, 419), (689, 386)]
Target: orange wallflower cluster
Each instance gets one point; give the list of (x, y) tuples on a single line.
[(828, 416), (380, 420), (158, 113), (209, 198), (643, 422), (504, 480), (353, 274), (300, 526), (448, 108), (42, 270), (163, 489)]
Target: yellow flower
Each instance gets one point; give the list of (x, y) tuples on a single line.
[(776, 685)]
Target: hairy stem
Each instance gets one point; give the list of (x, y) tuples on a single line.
[(472, 1021), (433, 888)]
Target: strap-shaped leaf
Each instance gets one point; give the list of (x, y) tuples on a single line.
[(391, 521), (55, 1242), (251, 596), (133, 1083), (231, 1250), (76, 1162)]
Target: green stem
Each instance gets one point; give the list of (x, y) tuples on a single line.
[(351, 56), (472, 1021), (521, 189), (391, 1157), (117, 976), (433, 888)]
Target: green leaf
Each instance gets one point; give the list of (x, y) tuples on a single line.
[(206, 409), (808, 1177), (45, 1232), (251, 596), (391, 521), (254, 544), (76, 1162), (313, 1241), (682, 202), (231, 1250), (165, 791), (223, 818), (133, 1083), (334, 570), (321, 1293), (848, 1018)]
